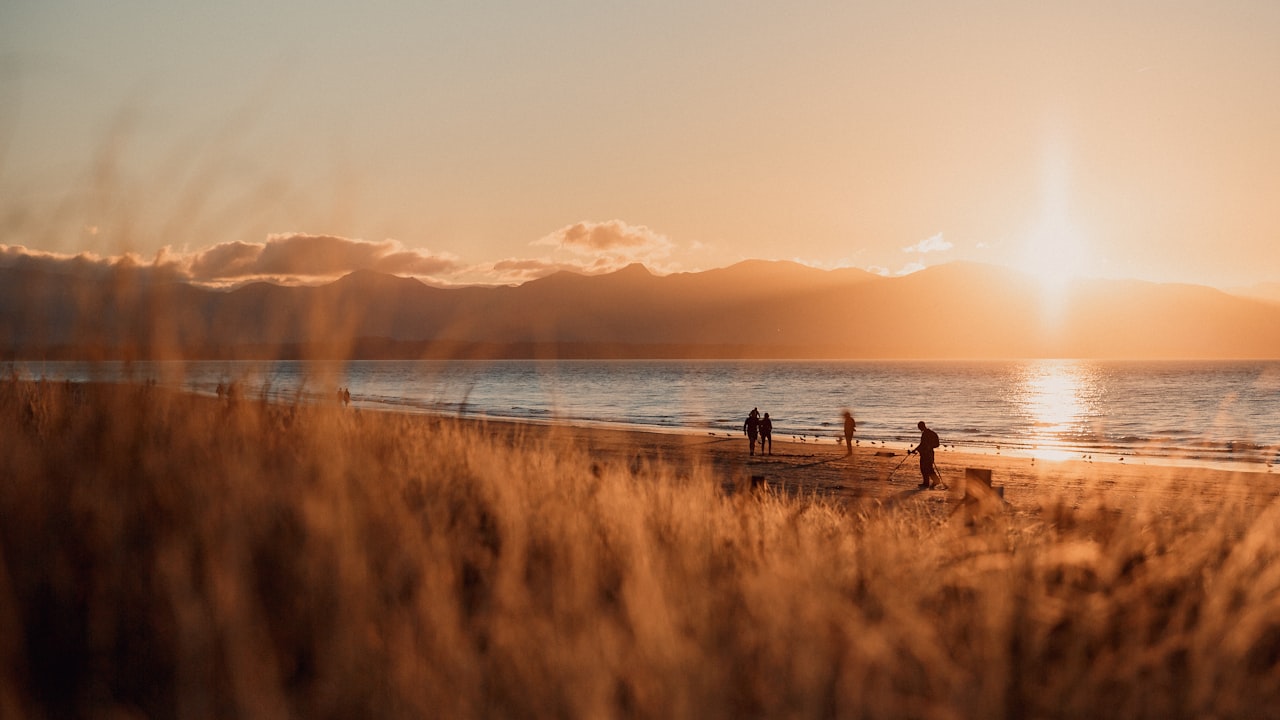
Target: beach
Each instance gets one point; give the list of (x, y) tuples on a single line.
[(1202, 413), (877, 474)]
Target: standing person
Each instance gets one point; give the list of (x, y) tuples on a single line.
[(766, 434), (849, 427), (928, 441), (752, 428)]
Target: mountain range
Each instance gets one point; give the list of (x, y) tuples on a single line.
[(754, 309)]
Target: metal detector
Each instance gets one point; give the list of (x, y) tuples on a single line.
[(940, 484), (904, 460)]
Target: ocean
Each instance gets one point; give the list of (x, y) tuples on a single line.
[(1210, 413)]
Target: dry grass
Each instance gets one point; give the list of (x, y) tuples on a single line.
[(166, 555)]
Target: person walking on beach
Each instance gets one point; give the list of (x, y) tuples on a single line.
[(849, 427), (766, 434), (752, 428), (928, 442)]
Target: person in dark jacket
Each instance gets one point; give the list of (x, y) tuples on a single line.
[(928, 443), (752, 428)]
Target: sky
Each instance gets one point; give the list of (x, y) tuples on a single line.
[(466, 142)]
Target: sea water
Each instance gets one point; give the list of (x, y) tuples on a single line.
[(1197, 412)]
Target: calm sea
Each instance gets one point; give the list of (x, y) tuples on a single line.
[(1195, 412)]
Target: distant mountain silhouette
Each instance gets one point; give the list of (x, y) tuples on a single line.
[(752, 309)]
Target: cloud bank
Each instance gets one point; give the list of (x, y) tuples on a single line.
[(290, 258), (585, 247), (91, 265), (298, 255)]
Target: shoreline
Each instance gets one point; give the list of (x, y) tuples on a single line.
[(875, 474), (991, 454), (1234, 445)]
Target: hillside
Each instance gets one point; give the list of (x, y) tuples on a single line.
[(752, 309)]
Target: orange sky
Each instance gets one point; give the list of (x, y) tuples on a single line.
[(479, 141)]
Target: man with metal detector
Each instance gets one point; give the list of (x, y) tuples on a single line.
[(928, 442)]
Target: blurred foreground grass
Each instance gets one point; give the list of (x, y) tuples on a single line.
[(164, 555)]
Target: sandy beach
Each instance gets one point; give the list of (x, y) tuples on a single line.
[(876, 474)]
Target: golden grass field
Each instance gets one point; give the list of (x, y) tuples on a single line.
[(168, 555)]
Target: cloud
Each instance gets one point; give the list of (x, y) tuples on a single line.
[(413, 262), (526, 265), (87, 265), (312, 255), (15, 255), (594, 248), (302, 256), (513, 271), (907, 269), (935, 243), (228, 260), (612, 237)]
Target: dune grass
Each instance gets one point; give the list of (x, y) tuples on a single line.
[(164, 555)]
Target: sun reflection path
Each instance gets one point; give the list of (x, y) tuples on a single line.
[(1057, 397)]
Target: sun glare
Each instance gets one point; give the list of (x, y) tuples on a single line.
[(1054, 253), (1056, 396), (1053, 394)]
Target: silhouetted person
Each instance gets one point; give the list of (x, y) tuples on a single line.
[(849, 427), (928, 442), (346, 396), (766, 434), (752, 428)]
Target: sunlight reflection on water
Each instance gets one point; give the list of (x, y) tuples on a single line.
[(1059, 400)]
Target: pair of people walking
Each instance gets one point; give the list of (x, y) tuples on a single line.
[(761, 428)]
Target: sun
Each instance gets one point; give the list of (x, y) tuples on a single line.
[(1054, 254)]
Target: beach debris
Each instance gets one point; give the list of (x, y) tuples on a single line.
[(739, 483), (981, 499)]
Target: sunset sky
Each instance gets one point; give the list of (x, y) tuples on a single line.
[(492, 142)]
